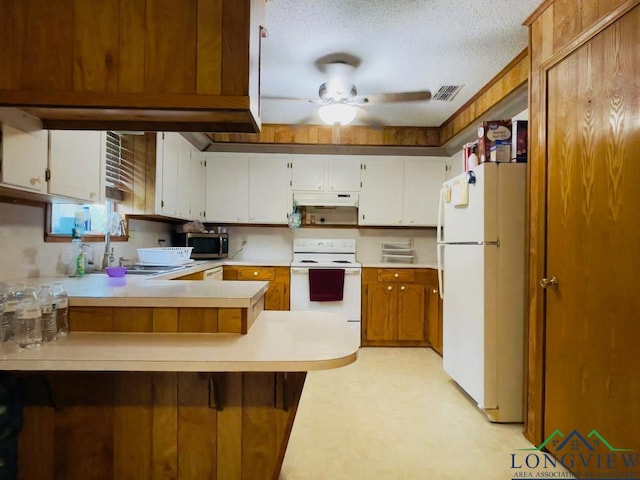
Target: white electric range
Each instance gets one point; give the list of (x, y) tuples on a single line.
[(309, 254)]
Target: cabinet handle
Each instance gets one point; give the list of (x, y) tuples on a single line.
[(389, 288), (435, 290), (34, 180), (395, 275), (402, 287), (319, 187), (255, 274), (93, 195)]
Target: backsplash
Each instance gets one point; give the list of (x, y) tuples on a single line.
[(25, 254), (275, 242)]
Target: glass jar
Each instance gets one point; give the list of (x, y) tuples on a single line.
[(28, 320)]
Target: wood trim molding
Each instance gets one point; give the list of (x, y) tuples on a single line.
[(537, 12), (588, 34), (515, 74)]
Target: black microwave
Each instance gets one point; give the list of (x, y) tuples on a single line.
[(205, 245)]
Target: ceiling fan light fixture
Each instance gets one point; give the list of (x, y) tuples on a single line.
[(337, 113)]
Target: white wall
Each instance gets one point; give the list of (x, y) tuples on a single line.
[(25, 254)]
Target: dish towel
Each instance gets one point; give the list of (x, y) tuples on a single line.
[(326, 284)]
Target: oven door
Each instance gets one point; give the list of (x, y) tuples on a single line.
[(349, 306)]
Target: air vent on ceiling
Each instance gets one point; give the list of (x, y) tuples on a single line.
[(446, 92)]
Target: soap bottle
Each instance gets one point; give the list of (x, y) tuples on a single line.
[(76, 265)]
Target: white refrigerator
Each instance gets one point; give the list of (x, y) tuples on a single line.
[(481, 268)]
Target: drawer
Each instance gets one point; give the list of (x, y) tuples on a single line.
[(395, 275), (256, 273)]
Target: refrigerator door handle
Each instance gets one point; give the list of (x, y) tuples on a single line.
[(439, 248), (439, 237)]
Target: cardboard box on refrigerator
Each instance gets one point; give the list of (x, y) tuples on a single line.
[(494, 134), (520, 141)]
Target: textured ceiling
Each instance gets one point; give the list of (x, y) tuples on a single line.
[(401, 45)]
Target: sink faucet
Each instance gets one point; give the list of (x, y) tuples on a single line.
[(118, 229)]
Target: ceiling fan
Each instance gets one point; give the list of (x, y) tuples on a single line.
[(339, 100)]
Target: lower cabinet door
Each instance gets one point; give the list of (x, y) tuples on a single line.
[(381, 311), (411, 312)]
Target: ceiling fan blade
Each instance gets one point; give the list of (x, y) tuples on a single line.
[(295, 99), (394, 97)]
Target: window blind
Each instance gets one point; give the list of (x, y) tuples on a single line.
[(120, 154)]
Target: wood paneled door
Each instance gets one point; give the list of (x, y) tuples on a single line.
[(593, 236)]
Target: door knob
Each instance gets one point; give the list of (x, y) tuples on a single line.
[(549, 282)]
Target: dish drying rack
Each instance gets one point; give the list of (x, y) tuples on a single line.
[(398, 252), (164, 255)]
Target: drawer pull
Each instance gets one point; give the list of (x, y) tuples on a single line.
[(389, 288), (402, 287), (255, 274), (396, 275)]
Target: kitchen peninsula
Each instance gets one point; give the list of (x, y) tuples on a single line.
[(135, 392)]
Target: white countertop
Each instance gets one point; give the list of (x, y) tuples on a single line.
[(98, 290), (277, 342)]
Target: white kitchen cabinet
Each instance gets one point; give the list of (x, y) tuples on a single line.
[(179, 191), (270, 199), (400, 191), (184, 187), (422, 182), (342, 173), (381, 196), (24, 158), (307, 173), (227, 189), (76, 164), (198, 181), (322, 173)]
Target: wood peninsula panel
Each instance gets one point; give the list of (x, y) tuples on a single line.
[(556, 29), (166, 319), (156, 425)]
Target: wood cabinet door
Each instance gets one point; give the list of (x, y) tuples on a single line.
[(381, 197), (381, 311), (411, 324), (422, 181), (434, 318), (270, 199), (24, 158), (274, 298), (343, 174), (592, 327), (227, 189), (76, 166)]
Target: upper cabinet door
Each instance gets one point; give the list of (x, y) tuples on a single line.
[(184, 188), (76, 164), (167, 173), (381, 197), (227, 189), (307, 173), (24, 158), (198, 182), (270, 199), (422, 181), (343, 174)]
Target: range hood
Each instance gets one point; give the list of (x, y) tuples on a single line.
[(322, 199)]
